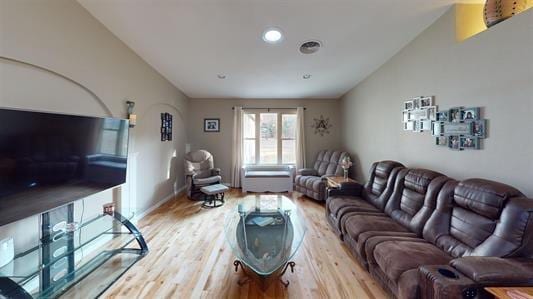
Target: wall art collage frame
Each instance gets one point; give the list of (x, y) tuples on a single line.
[(418, 114), (460, 128)]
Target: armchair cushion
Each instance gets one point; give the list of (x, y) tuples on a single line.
[(208, 180), (495, 270)]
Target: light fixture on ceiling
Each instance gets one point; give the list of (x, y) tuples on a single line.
[(306, 76), (272, 35), (221, 76), (310, 47)]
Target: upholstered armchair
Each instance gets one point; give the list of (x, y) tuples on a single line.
[(199, 172), (312, 181)]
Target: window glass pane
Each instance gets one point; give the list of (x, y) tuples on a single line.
[(111, 124), (269, 142), (249, 125), (249, 151), (289, 151), (288, 123), (108, 144)]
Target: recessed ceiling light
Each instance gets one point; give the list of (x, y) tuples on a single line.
[(272, 35), (306, 76), (221, 76)]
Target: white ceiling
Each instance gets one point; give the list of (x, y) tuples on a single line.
[(191, 41)]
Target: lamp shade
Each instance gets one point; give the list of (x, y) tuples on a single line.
[(496, 11)]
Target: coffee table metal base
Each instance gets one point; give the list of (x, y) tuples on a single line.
[(264, 281)]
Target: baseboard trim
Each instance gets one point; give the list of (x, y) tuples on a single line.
[(160, 203)]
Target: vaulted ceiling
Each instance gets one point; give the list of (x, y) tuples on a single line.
[(190, 42)]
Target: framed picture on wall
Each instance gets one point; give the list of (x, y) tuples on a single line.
[(456, 114), (471, 114), (441, 141), (211, 124), (426, 102), (431, 113), (454, 143), (443, 116), (408, 105), (469, 142), (479, 128)]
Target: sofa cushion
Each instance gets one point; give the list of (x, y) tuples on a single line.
[(359, 223), (395, 257), (338, 203)]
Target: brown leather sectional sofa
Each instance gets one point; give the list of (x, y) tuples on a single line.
[(422, 234)]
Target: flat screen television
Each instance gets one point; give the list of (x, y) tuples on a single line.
[(48, 160)]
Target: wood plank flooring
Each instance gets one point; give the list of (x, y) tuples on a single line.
[(189, 258)]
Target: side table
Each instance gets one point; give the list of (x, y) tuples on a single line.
[(335, 182)]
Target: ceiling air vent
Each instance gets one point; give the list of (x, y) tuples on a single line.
[(310, 47)]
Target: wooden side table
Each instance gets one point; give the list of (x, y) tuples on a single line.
[(336, 181), (511, 292)]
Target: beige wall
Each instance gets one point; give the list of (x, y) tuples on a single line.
[(220, 144), (493, 70), (64, 37)]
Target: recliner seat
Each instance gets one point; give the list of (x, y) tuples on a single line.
[(406, 212), (371, 198)]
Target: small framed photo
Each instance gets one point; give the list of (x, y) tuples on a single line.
[(456, 114), (479, 128), (409, 126), (441, 140), (443, 116), (417, 126), (471, 114), (405, 116), (454, 143), (426, 102), (431, 113), (408, 105), (212, 125), (469, 142), (416, 103), (437, 128), (425, 125)]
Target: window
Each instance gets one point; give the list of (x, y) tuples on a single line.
[(269, 138), (114, 138)]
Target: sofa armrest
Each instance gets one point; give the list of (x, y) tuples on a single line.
[(443, 282), (496, 271), (347, 189), (307, 172)]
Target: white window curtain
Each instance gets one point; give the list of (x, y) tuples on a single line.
[(300, 138), (236, 159)]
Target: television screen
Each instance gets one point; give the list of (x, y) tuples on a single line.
[(49, 160)]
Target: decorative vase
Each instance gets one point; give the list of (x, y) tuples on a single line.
[(345, 173), (496, 11)]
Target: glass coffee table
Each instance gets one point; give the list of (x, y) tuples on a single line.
[(264, 233)]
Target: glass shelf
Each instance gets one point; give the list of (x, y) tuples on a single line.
[(78, 254)]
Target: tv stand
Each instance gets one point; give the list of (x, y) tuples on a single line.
[(102, 254)]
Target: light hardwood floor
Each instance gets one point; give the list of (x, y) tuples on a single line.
[(189, 258)]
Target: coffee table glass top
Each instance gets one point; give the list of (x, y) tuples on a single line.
[(264, 232)]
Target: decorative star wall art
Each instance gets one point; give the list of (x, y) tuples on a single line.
[(321, 125)]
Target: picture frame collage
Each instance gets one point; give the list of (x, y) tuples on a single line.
[(166, 127), (460, 128), (419, 113)]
